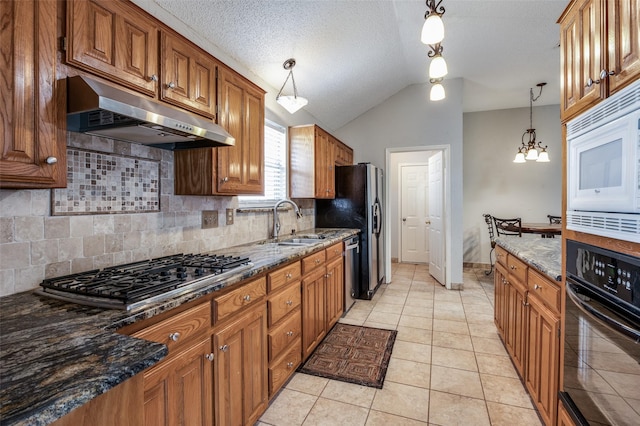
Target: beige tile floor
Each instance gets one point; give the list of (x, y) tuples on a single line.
[(448, 366)]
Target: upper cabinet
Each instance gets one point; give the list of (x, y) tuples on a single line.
[(600, 51), (313, 155), (114, 40), (188, 77), (33, 151)]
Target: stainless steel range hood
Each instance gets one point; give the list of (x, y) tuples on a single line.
[(100, 109)]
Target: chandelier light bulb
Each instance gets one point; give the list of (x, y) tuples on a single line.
[(532, 154), (519, 158), (437, 92), (432, 30), (438, 67), (543, 157)]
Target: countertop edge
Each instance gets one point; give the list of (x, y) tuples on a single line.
[(543, 254)]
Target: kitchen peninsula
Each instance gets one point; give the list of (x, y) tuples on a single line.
[(57, 356)]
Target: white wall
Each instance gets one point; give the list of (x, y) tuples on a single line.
[(494, 184), (409, 119)]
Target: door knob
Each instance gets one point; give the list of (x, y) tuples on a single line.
[(428, 222), (404, 219)]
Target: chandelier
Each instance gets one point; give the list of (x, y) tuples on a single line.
[(291, 103), (529, 150), (432, 35)]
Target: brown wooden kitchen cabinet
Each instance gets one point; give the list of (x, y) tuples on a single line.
[(600, 51), (230, 170), (285, 324), (116, 40), (311, 162), (516, 312), (33, 144), (241, 367), (188, 76), (335, 284), (564, 419), (344, 154)]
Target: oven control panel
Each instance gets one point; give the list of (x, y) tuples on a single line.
[(614, 273)]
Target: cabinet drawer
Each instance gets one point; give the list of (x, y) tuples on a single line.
[(237, 299), (517, 268), (545, 290), (283, 276), (179, 328), (284, 302), (334, 251), (501, 256), (280, 371), (280, 337), (311, 262)]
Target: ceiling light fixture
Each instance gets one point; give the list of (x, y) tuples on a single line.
[(291, 103), (529, 150), (433, 28), (437, 90), (438, 66)]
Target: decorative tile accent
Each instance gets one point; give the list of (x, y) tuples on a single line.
[(101, 183)]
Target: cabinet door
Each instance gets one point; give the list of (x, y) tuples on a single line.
[(241, 167), (623, 23), (324, 165), (518, 328), (33, 148), (543, 343), (188, 76), (114, 40), (500, 290), (241, 369), (314, 323), (582, 57), (178, 391), (335, 291)]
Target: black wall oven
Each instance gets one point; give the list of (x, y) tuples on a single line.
[(602, 337)]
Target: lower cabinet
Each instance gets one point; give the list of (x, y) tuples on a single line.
[(527, 316), (179, 390), (335, 289), (241, 368), (564, 419)]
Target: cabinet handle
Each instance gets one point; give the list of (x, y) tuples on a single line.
[(224, 348), (153, 77), (289, 302), (51, 160), (591, 82), (524, 303), (224, 180), (209, 357), (289, 333), (174, 336), (604, 74), (536, 287), (171, 85), (290, 365), (247, 298), (289, 275), (317, 261)]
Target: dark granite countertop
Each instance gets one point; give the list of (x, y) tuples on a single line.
[(56, 356), (544, 254)]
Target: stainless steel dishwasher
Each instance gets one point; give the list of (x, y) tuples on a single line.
[(351, 269)]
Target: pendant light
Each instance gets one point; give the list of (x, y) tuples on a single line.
[(433, 28), (291, 103), (432, 35), (437, 90), (532, 150)]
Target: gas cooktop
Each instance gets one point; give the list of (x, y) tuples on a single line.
[(136, 285)]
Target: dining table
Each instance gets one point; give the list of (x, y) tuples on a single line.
[(545, 229)]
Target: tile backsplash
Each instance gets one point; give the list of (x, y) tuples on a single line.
[(38, 240)]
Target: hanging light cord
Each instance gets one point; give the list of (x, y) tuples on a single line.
[(288, 65)]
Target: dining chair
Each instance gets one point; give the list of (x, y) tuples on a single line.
[(554, 219), (508, 226), (489, 220)]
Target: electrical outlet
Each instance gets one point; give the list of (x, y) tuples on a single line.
[(229, 216), (209, 219)]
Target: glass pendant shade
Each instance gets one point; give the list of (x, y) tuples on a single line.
[(432, 30), (519, 158), (438, 67), (292, 103), (437, 92), (543, 157), (532, 154)]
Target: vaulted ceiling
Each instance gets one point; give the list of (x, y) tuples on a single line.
[(353, 54)]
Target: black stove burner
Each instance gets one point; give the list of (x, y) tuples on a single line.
[(139, 281)]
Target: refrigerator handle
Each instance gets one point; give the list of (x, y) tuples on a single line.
[(377, 218)]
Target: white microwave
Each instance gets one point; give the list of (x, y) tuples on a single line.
[(603, 167)]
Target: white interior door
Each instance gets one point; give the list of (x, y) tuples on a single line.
[(436, 217), (414, 241)]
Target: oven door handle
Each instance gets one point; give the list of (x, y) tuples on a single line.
[(597, 312)]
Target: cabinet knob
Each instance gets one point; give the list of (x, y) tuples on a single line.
[(209, 357), (317, 261), (289, 275), (289, 333), (290, 365), (174, 336), (51, 160), (536, 287), (525, 303), (604, 74), (247, 298), (590, 82), (289, 302), (224, 348), (153, 77), (224, 180), (171, 85)]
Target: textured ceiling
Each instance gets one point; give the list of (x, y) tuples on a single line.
[(353, 54)]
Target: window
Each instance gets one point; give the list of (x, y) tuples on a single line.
[(275, 168)]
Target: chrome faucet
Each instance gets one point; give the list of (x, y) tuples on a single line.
[(276, 221)]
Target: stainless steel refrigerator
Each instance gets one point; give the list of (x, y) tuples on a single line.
[(359, 204)]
